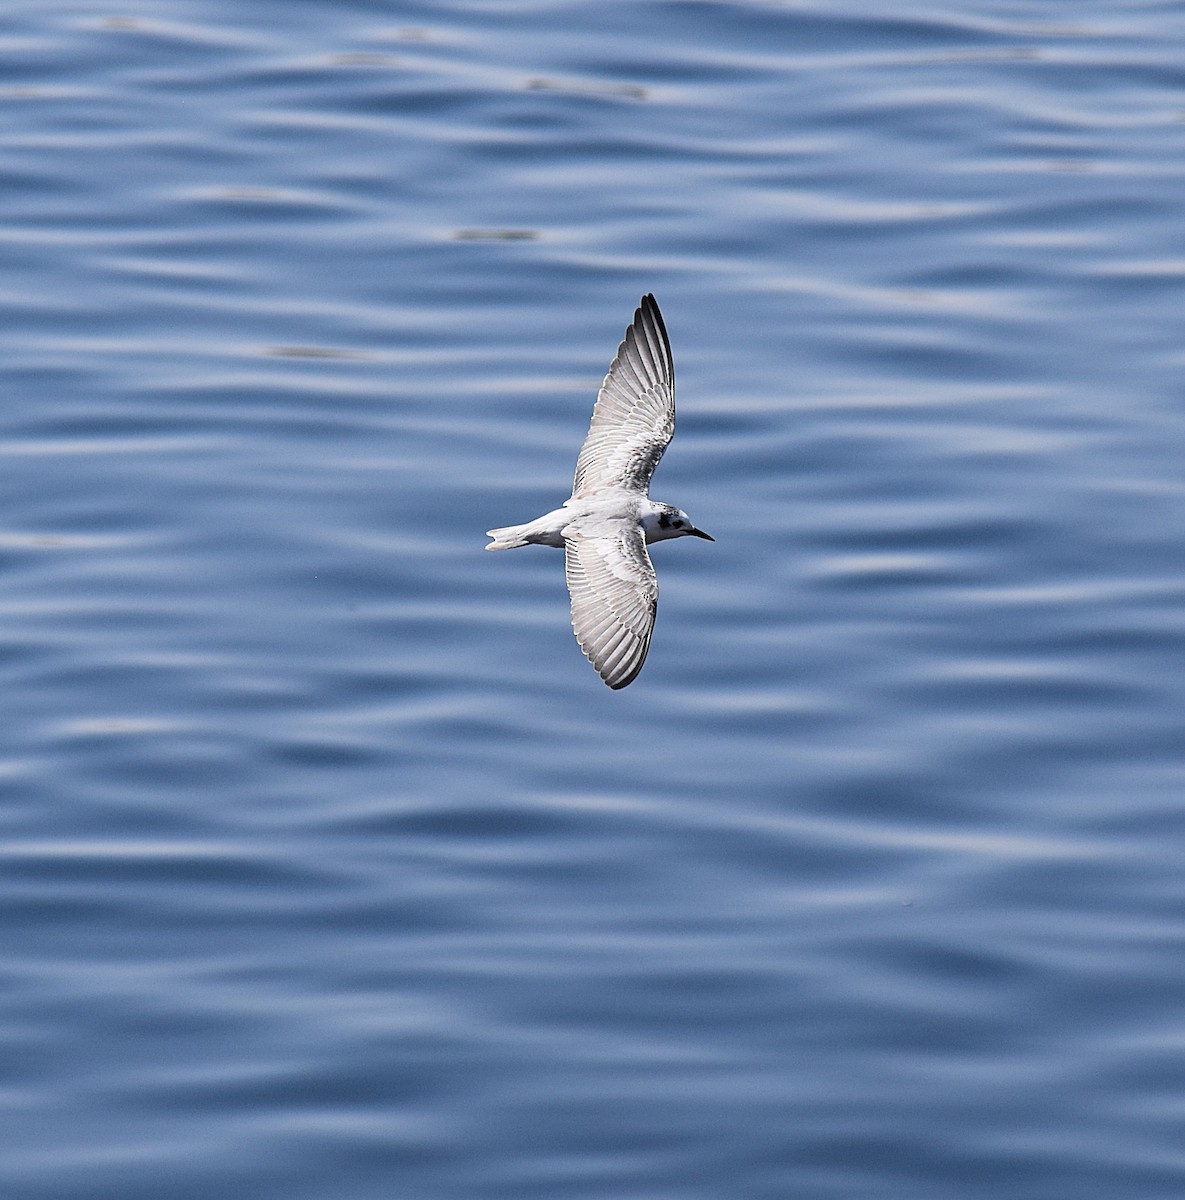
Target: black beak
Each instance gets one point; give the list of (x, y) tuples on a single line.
[(700, 533)]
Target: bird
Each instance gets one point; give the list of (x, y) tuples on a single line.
[(609, 520)]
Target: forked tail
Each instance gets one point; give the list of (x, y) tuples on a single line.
[(509, 537)]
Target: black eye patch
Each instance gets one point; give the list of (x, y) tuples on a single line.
[(664, 521)]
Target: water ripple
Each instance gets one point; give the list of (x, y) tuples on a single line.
[(330, 869)]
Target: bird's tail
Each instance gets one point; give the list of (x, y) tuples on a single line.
[(509, 537)]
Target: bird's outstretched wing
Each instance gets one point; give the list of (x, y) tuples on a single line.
[(614, 600), (634, 417)]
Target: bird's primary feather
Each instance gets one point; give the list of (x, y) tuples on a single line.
[(634, 417), (614, 600)]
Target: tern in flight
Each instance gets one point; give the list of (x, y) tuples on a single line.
[(606, 525)]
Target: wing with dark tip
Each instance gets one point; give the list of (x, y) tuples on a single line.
[(614, 600), (634, 417)]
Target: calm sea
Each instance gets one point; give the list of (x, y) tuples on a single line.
[(329, 870)]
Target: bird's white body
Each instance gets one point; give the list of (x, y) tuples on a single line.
[(589, 514), (606, 524)]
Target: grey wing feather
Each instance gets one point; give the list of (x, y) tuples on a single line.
[(634, 417), (614, 600)]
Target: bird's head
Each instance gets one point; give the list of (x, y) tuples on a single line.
[(666, 521)]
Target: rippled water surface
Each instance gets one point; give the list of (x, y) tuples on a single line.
[(330, 870)]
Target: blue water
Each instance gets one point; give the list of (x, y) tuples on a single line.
[(329, 869)]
